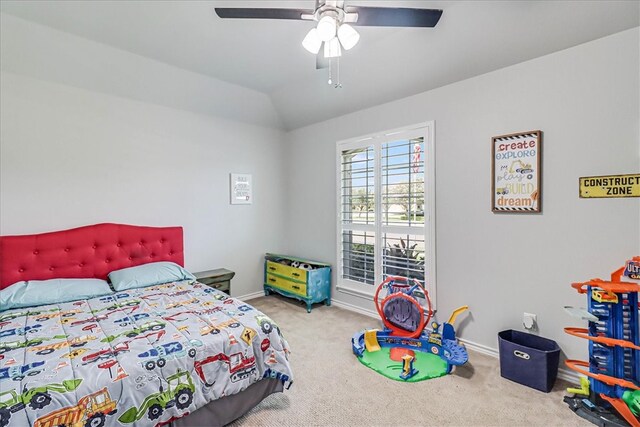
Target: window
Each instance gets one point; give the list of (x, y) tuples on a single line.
[(385, 209)]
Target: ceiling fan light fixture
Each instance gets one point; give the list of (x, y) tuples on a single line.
[(348, 36), (332, 48), (327, 28), (312, 41)]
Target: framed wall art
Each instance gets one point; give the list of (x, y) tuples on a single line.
[(516, 172), (241, 189)]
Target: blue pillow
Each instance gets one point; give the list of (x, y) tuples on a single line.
[(154, 273), (42, 292)]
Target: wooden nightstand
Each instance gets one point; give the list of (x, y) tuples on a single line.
[(220, 279)]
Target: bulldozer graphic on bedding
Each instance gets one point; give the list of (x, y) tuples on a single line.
[(35, 398), (179, 393)]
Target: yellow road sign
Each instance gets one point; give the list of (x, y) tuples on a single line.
[(610, 186), (248, 335)]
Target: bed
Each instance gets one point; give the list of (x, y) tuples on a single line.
[(176, 353)]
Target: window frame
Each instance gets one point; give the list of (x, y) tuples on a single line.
[(427, 131)]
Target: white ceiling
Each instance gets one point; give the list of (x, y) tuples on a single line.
[(472, 38)]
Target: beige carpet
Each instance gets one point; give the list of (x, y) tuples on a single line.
[(332, 388)]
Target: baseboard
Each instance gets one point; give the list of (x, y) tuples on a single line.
[(563, 373), (355, 308), (569, 375), (480, 348), (250, 296)]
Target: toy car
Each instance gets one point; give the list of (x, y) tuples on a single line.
[(114, 297), (11, 316), (17, 373), (20, 331), (149, 326), (124, 304), (13, 345), (161, 353), (130, 319)]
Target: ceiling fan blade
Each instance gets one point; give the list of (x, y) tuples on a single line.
[(321, 61), (261, 13), (395, 16)]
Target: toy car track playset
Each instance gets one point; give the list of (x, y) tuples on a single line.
[(611, 394), (404, 350)]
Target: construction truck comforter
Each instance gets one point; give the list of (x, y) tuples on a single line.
[(141, 357)]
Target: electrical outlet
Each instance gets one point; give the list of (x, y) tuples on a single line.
[(530, 321)]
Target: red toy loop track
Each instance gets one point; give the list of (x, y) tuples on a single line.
[(380, 305)]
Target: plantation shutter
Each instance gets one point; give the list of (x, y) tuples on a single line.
[(403, 200), (384, 210), (358, 214)]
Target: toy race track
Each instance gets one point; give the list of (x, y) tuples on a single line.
[(404, 350), (612, 392)]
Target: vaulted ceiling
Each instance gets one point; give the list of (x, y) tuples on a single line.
[(472, 38)]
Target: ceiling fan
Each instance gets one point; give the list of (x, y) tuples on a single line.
[(335, 23)]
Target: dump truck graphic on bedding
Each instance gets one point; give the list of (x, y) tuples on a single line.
[(240, 367), (36, 398), (179, 393), (91, 411)]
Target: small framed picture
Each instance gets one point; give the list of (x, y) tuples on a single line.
[(241, 189), (516, 172)]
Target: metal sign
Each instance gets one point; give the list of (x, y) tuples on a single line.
[(632, 268), (610, 186)]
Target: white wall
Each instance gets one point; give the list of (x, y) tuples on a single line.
[(586, 101), (92, 134)]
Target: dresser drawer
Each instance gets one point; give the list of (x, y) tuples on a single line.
[(286, 271), (219, 278), (287, 285)]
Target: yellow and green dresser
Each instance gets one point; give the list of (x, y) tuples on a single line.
[(282, 275)]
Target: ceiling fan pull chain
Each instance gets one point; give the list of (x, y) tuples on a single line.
[(335, 81)]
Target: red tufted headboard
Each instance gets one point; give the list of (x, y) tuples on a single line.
[(86, 252)]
